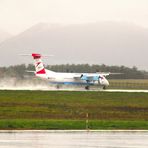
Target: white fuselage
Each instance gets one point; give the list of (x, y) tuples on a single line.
[(73, 78)]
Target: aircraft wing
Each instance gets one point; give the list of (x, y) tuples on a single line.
[(108, 73), (104, 73)]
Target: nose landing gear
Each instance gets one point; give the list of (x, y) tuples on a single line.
[(104, 87)]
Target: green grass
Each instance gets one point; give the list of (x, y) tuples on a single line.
[(67, 110), (71, 124)]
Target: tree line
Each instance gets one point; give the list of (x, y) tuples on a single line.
[(20, 71)]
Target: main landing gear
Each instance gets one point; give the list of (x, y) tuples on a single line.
[(58, 87), (87, 87)]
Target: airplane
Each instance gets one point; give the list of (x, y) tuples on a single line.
[(58, 78)]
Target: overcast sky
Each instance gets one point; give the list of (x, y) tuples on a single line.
[(18, 15)]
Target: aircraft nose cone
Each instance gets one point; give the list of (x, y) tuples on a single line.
[(106, 83)]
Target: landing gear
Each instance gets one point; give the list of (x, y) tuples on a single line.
[(104, 87), (87, 87), (58, 87)]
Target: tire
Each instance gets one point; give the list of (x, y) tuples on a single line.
[(87, 87)]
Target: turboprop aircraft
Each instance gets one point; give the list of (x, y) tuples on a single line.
[(58, 78)]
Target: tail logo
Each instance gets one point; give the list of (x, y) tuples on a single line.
[(38, 64)]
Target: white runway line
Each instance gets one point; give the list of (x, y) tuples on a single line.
[(125, 90), (69, 89), (73, 139)]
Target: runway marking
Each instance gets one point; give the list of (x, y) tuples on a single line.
[(63, 131), (71, 89), (125, 90)]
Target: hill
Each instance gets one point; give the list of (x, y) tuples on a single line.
[(4, 35), (110, 43)]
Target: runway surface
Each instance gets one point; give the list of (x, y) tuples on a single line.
[(45, 88), (74, 139), (125, 90)]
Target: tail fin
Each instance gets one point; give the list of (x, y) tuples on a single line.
[(39, 67)]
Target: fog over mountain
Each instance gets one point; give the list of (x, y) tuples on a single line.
[(4, 36), (110, 43)]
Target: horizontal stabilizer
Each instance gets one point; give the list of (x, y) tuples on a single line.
[(30, 71), (36, 55)]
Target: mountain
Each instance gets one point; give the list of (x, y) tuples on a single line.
[(110, 43), (4, 35)]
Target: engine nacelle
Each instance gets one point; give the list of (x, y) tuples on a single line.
[(88, 78), (100, 79)]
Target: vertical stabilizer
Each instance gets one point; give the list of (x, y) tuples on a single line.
[(39, 67)]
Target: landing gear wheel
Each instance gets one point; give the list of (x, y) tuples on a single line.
[(58, 87), (104, 87), (87, 87)]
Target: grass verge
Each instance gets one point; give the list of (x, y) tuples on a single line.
[(68, 110), (25, 124)]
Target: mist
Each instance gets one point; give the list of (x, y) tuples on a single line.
[(9, 83)]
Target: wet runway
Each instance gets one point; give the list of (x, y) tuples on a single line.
[(125, 90), (73, 139), (45, 88)]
